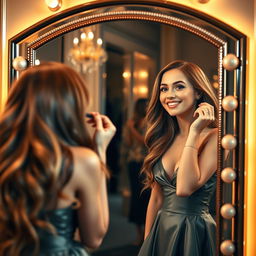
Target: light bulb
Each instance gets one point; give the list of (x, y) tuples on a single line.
[(90, 35), (75, 41), (83, 36), (99, 41), (37, 62), (53, 5)]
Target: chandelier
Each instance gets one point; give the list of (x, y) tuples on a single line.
[(87, 53)]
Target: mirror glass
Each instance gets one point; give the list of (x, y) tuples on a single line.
[(130, 61)]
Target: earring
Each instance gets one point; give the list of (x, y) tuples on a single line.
[(199, 95)]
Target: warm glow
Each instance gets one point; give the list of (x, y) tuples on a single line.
[(215, 85), (90, 35), (53, 5), (215, 77), (143, 74), (126, 74), (141, 90), (88, 53), (75, 41), (250, 160), (99, 41), (37, 62), (83, 36)]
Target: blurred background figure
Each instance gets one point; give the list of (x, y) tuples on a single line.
[(133, 154)]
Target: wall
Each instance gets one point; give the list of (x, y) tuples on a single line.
[(238, 14)]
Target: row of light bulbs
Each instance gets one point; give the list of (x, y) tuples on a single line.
[(229, 142)]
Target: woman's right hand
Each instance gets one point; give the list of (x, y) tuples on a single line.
[(104, 130)]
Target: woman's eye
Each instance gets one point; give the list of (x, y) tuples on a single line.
[(163, 89), (180, 87)]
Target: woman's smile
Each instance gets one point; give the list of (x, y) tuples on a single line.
[(173, 104)]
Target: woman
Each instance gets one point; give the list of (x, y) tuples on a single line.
[(133, 137), (181, 164), (52, 175)]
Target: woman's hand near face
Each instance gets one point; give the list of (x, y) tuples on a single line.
[(104, 131), (205, 115)]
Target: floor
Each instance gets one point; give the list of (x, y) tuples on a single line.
[(121, 234)]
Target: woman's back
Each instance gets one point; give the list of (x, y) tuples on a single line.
[(47, 152)]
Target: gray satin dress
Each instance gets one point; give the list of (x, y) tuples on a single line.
[(183, 226), (62, 244), (65, 222)]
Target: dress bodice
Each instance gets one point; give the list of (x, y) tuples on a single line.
[(183, 226), (197, 203), (62, 243)]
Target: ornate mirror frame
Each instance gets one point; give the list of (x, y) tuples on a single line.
[(231, 46)]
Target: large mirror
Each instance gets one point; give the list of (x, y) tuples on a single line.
[(138, 39)]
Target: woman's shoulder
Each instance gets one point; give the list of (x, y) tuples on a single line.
[(85, 159), (208, 135), (209, 132)]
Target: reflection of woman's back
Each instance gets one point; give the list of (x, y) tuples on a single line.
[(134, 140)]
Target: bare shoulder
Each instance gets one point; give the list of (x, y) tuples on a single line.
[(86, 161), (209, 134)]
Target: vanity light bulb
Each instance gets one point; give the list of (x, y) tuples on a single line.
[(53, 5), (19, 63), (229, 103), (228, 175), (227, 211), (227, 247), (230, 62), (229, 142)]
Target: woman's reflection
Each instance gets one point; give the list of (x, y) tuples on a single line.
[(181, 164)]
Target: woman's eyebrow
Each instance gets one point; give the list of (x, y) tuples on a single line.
[(174, 83), (178, 82)]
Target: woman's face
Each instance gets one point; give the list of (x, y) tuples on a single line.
[(177, 95)]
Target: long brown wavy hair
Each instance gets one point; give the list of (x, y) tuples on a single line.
[(44, 116), (161, 127)]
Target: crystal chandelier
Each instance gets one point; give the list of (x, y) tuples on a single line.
[(87, 54)]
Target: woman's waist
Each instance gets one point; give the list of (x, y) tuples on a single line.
[(190, 209), (55, 244)]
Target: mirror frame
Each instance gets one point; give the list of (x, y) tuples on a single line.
[(222, 36)]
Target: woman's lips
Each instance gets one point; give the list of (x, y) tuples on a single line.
[(173, 104)]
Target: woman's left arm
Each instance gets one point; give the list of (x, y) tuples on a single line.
[(194, 168)]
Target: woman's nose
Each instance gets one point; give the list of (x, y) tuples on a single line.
[(171, 94)]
